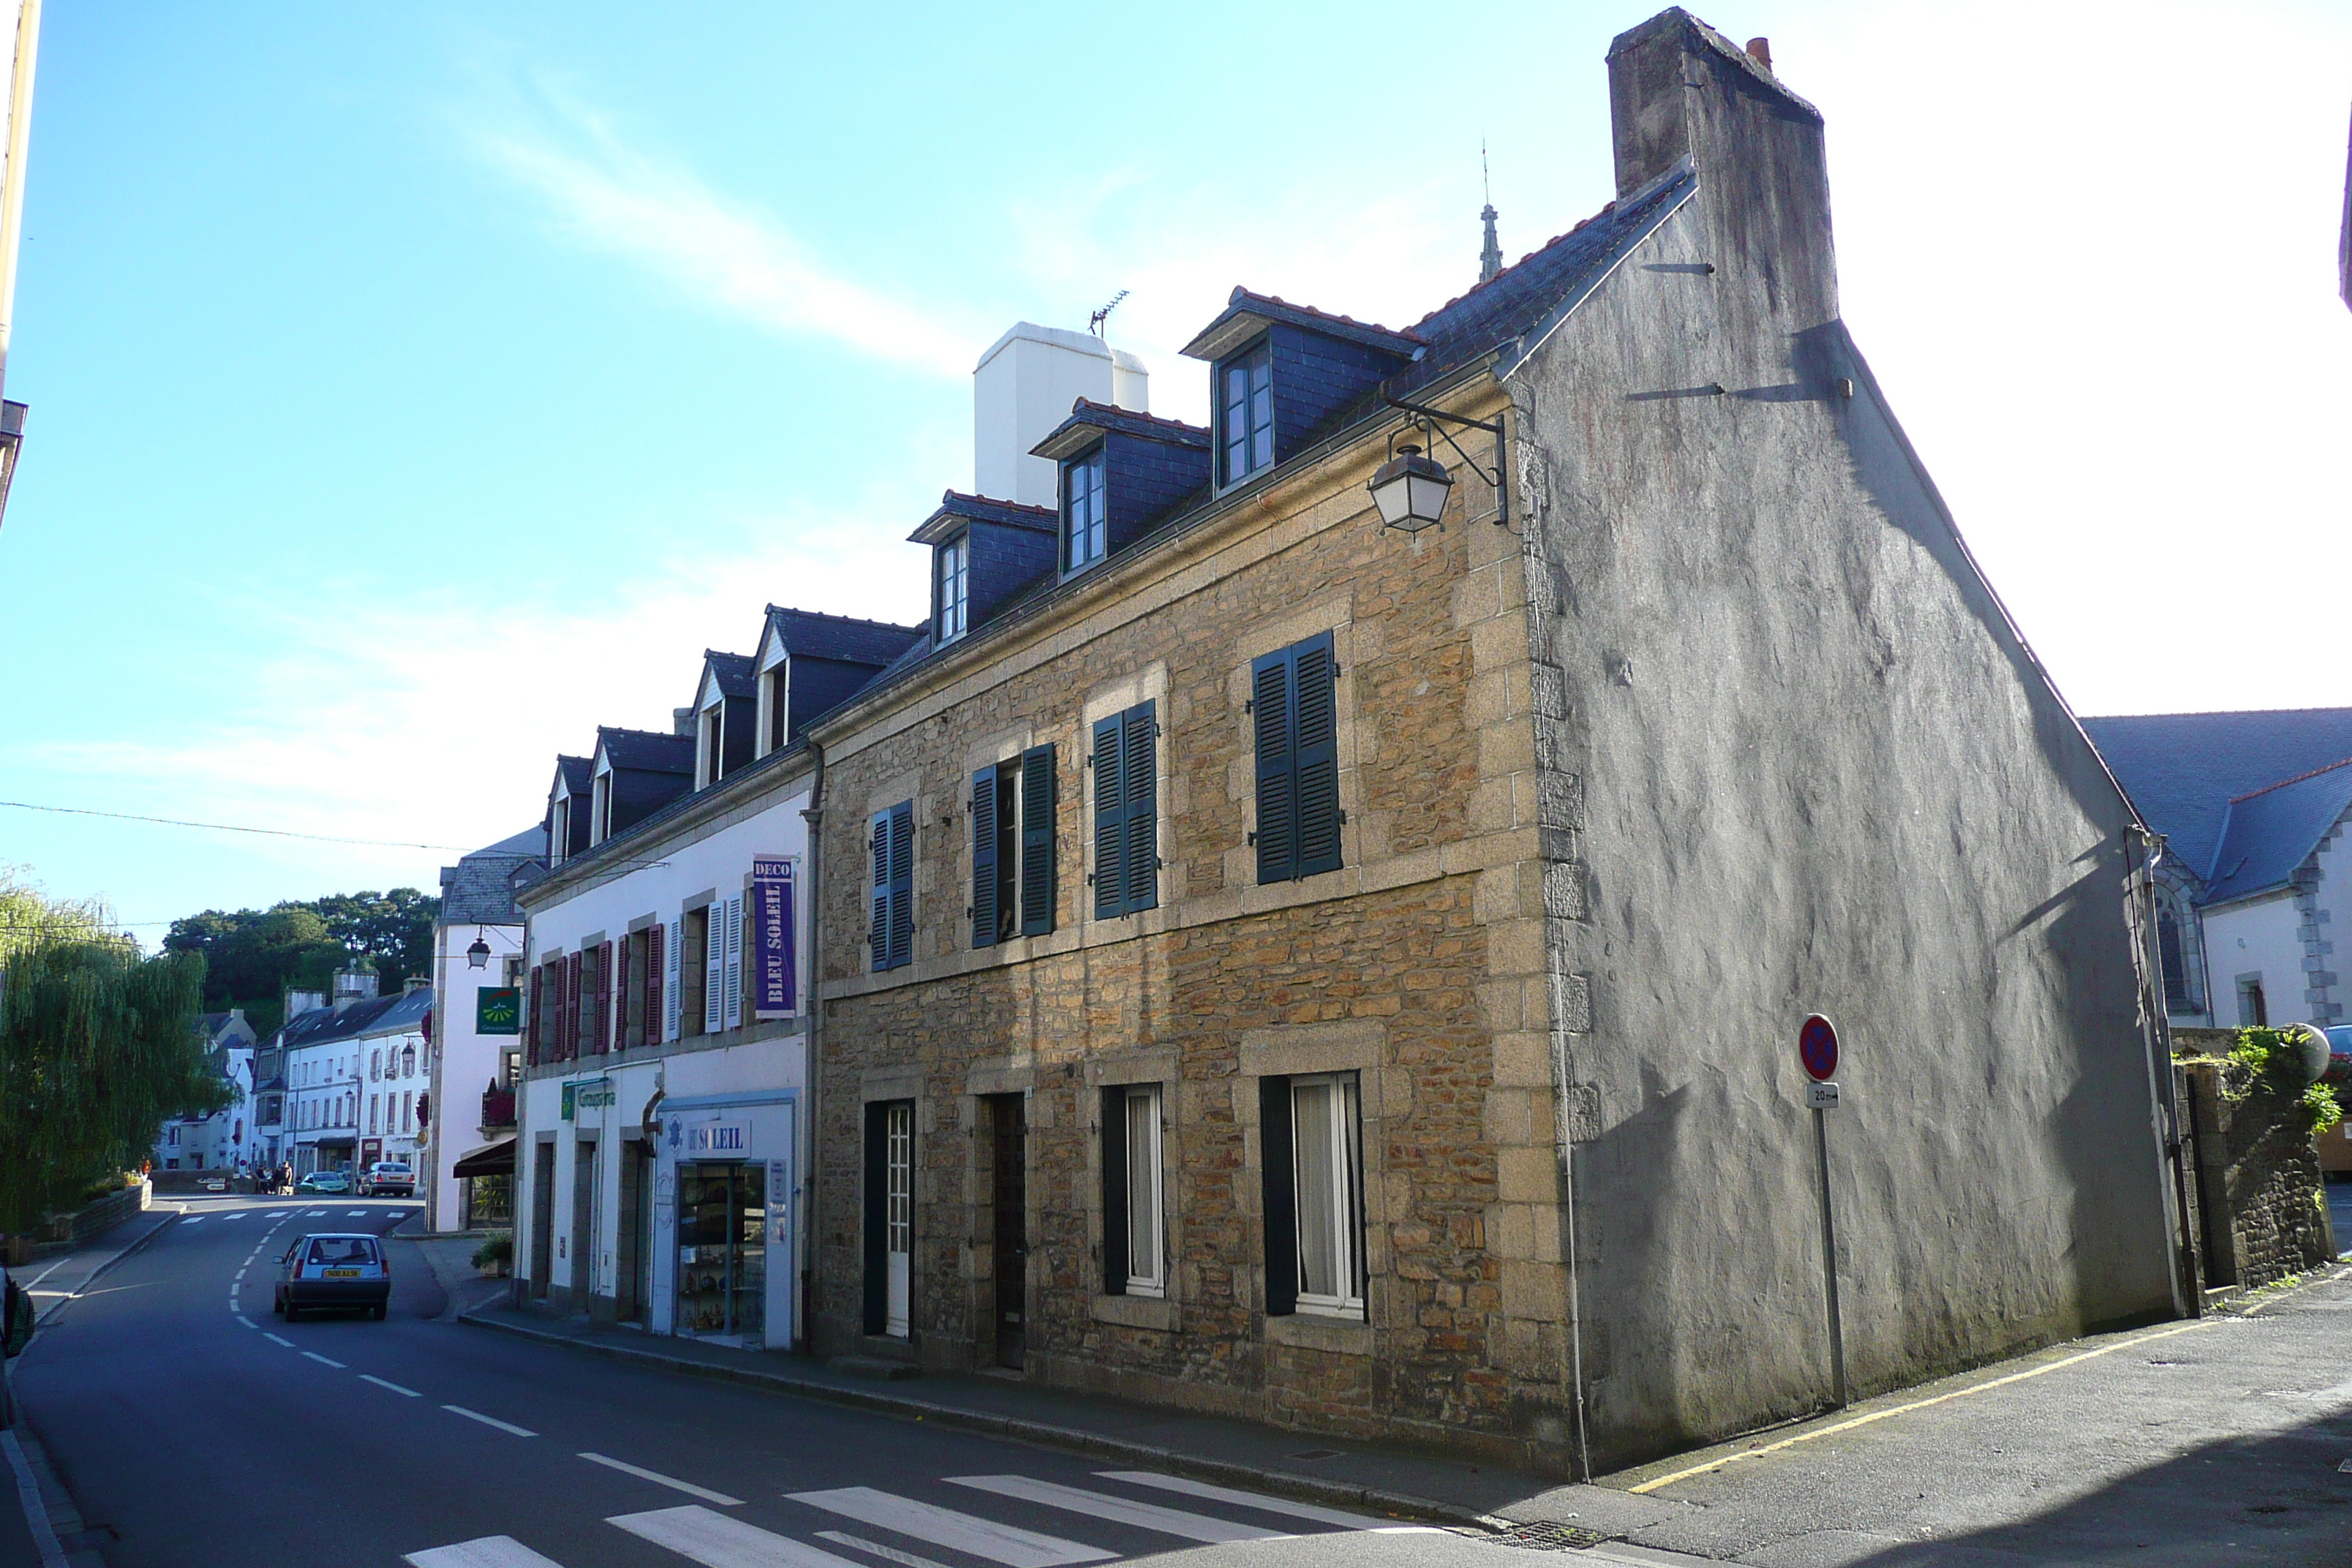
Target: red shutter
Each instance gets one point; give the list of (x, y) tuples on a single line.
[(538, 1011), (607, 992), (653, 1019), (571, 1018)]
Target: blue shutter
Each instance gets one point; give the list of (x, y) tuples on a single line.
[(1110, 822), (984, 857), (878, 937), (1277, 768), (902, 884), (1313, 697), (1037, 841), (1139, 753)]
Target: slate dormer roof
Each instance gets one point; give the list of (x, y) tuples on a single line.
[(1248, 314), (572, 774), (731, 671), (810, 634), (957, 510), (2270, 833), (645, 750), (479, 888), (1090, 421)]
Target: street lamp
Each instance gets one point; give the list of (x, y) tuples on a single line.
[(1411, 489), (478, 955)]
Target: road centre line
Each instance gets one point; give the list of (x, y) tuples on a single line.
[(380, 1383), (245, 1320), (323, 1361), (489, 1421), (288, 1344), (489, 1551), (1684, 1475), (689, 1488), (888, 1553)]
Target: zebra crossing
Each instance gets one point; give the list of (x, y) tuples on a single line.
[(708, 1536)]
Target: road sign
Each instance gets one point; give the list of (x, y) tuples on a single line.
[(1817, 1047), (1821, 1096)]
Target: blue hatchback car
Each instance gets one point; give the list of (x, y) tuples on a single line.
[(346, 1270)]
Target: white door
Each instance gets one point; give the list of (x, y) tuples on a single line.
[(898, 1214)]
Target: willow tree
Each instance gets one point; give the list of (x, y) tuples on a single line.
[(99, 1046)]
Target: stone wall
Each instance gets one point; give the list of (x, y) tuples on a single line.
[(2259, 1182)]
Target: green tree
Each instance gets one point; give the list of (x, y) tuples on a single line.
[(98, 1045), (253, 956)]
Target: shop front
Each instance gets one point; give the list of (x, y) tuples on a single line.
[(725, 1187)]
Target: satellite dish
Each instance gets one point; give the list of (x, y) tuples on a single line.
[(2310, 1043)]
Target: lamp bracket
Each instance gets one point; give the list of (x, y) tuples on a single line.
[(1437, 419)]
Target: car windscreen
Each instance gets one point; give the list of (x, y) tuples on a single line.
[(340, 1251)]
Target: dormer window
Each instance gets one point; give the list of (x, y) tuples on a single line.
[(710, 745), (1086, 520), (955, 587), (1245, 413), (600, 809), (775, 701), (559, 841)]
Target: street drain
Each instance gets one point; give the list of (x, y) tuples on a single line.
[(1546, 1536)]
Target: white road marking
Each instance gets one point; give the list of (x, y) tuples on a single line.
[(1006, 1543), (489, 1551), (1248, 1499), (356, 1214), (891, 1553), (187, 1219), (240, 1273), (316, 1214), (718, 1541), (489, 1421), (365, 1378), (288, 1344), (245, 1320), (323, 1361), (234, 1214), (1102, 1505), (705, 1493)]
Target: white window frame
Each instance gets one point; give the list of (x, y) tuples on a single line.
[(1146, 1195), (710, 738), (955, 587), (1340, 1164)]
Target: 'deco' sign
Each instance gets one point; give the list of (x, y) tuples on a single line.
[(1817, 1048)]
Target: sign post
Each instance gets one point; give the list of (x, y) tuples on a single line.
[(1817, 1049)]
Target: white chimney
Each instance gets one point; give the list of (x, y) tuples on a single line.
[(1021, 390)]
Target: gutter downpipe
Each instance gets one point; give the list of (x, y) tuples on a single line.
[(2187, 1299), (814, 1070)]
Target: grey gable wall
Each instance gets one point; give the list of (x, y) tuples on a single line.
[(1794, 759)]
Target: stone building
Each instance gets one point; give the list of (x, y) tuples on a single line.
[(1279, 963)]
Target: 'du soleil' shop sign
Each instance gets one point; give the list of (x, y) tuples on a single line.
[(775, 971)]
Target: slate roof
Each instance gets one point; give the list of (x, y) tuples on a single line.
[(645, 750), (957, 507), (575, 773), (376, 1016), (734, 672), (1245, 311), (479, 888), (2271, 832), (2184, 771), (1087, 415), (812, 635)]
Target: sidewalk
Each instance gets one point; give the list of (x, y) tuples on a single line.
[(450, 1256), (55, 1281), (1207, 1447)]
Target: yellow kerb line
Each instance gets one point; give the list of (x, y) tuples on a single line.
[(1914, 1404)]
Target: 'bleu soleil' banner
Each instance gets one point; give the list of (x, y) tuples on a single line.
[(775, 988)]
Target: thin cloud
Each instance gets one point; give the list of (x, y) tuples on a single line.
[(728, 254)]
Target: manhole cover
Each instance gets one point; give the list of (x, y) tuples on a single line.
[(1546, 1536), (1317, 1454)]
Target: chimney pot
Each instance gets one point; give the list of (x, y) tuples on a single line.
[(1760, 51)]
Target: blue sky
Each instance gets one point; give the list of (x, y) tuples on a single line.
[(413, 388)]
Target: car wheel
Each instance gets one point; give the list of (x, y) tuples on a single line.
[(378, 1310), (292, 1311), (278, 1305)]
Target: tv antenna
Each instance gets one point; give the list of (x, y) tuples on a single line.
[(1094, 322)]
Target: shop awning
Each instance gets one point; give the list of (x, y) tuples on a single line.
[(490, 1160)]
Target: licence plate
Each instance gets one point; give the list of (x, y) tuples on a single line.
[(341, 1274)]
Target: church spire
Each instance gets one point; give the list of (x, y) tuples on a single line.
[(1490, 260)]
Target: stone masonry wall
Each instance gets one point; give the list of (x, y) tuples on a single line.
[(2258, 1170), (1419, 965)]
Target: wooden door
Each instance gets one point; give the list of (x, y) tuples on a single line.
[(1010, 1202)]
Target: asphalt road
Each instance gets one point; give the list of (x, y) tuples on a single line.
[(202, 1432)]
